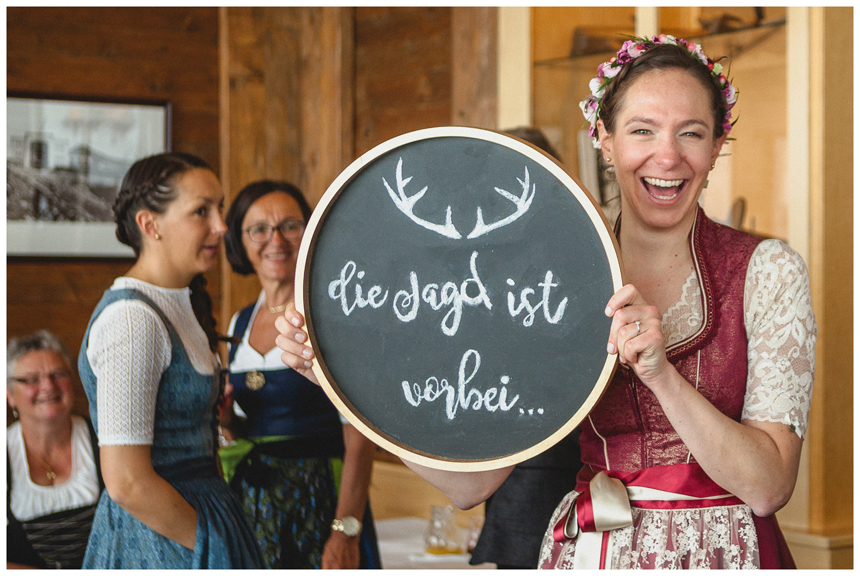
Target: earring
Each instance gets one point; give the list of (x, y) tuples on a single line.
[(15, 412), (713, 165), (608, 160), (157, 237)]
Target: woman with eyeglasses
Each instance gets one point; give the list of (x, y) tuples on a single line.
[(302, 472), (52, 473)]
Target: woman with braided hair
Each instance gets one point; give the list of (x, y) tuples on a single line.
[(696, 441), (151, 375)]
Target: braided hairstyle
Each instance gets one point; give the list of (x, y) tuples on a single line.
[(150, 184), (662, 57)]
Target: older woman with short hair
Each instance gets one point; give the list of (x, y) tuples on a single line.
[(52, 477)]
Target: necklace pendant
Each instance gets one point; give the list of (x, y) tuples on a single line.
[(51, 475), (255, 380)]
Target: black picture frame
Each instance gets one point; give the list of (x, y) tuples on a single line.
[(65, 159)]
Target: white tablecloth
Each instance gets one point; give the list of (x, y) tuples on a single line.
[(401, 545)]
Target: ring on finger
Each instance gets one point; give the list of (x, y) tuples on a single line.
[(638, 327)]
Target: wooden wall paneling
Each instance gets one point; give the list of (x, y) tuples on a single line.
[(282, 78), (123, 53), (475, 68), (246, 35), (327, 97), (58, 295), (403, 69), (118, 53), (288, 113)]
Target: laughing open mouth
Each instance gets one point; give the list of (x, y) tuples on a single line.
[(663, 189)]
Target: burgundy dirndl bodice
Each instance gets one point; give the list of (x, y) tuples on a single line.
[(628, 416)]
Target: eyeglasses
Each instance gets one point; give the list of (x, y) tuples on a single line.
[(290, 230), (33, 379)]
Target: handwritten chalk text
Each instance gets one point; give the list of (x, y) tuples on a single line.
[(463, 397), (352, 295)]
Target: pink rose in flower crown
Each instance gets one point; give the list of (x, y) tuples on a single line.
[(634, 50), (606, 70), (625, 55), (731, 95)]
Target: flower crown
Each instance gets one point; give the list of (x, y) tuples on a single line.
[(632, 49)]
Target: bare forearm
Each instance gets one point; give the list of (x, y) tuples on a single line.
[(357, 468), (465, 489), (757, 462), (341, 551), (133, 484)]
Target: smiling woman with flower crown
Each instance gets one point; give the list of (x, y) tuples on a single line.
[(702, 426), (696, 442)]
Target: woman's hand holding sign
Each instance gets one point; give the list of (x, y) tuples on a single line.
[(293, 341)]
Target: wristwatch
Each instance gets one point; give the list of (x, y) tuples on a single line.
[(348, 525)]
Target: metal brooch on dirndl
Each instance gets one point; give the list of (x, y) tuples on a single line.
[(255, 380)]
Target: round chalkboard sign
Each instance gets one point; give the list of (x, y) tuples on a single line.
[(454, 282)]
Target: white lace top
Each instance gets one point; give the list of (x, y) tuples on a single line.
[(129, 350), (30, 500), (781, 333)]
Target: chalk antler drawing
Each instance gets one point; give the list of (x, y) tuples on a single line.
[(406, 204), (522, 203)]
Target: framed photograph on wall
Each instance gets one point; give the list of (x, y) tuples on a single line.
[(65, 160)]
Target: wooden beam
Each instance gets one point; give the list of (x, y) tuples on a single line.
[(327, 72), (287, 105), (474, 68)]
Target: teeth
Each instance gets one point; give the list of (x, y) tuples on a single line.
[(663, 183)]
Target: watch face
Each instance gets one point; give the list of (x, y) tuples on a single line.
[(351, 526)]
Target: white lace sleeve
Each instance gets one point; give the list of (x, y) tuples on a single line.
[(781, 333), (129, 350)]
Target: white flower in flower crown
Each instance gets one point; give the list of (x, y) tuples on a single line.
[(586, 110), (596, 86)]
